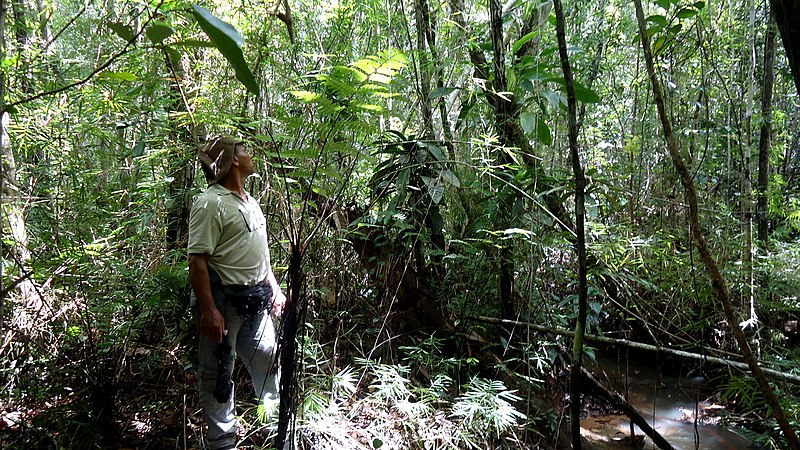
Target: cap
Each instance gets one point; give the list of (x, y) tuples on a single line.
[(216, 157)]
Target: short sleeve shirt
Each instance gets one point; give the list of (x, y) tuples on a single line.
[(233, 232)]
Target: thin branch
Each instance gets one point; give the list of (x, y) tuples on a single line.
[(15, 283), (127, 48)]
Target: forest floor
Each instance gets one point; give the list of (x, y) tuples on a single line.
[(150, 417)]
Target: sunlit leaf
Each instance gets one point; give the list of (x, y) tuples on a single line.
[(369, 107), (659, 44), (520, 231), (122, 76), (305, 96), (523, 40), (685, 13)]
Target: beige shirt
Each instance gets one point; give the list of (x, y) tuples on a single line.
[(233, 232)]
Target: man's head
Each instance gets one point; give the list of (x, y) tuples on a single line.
[(218, 155)]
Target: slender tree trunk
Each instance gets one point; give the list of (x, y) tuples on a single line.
[(746, 171), (181, 162), (436, 63), (721, 288), (45, 34), (288, 350), (580, 244), (423, 68), (426, 42), (503, 116), (13, 218), (765, 138)]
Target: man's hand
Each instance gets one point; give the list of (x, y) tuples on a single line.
[(279, 303), (212, 324)]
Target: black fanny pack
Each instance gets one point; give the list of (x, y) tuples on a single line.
[(250, 301)]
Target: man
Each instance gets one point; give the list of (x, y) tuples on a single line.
[(233, 289)]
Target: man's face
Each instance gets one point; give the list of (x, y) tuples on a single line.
[(244, 159)]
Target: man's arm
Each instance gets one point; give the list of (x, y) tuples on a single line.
[(212, 324)]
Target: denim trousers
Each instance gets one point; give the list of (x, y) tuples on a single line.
[(253, 340)]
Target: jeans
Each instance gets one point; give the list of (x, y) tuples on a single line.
[(253, 339)]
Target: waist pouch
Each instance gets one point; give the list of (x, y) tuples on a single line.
[(250, 301)]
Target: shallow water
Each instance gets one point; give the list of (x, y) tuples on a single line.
[(668, 403)]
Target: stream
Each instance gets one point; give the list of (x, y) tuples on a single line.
[(667, 402)]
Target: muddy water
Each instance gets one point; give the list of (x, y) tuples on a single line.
[(668, 403)]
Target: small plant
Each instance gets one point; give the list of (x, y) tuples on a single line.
[(486, 409), (428, 354)]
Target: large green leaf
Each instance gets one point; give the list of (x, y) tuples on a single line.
[(523, 40), (158, 32), (543, 132), (527, 121), (122, 30), (229, 42), (582, 93), (120, 76)]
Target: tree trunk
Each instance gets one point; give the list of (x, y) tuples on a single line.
[(721, 288), (503, 117), (423, 68), (748, 295), (785, 13), (580, 244), (765, 138), (181, 163), (425, 43), (288, 349), (13, 214), (510, 128), (3, 133)]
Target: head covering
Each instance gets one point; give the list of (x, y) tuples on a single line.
[(216, 157)]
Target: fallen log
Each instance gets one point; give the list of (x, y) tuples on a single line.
[(640, 346), (620, 403)]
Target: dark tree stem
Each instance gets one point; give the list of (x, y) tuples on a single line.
[(580, 242)]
